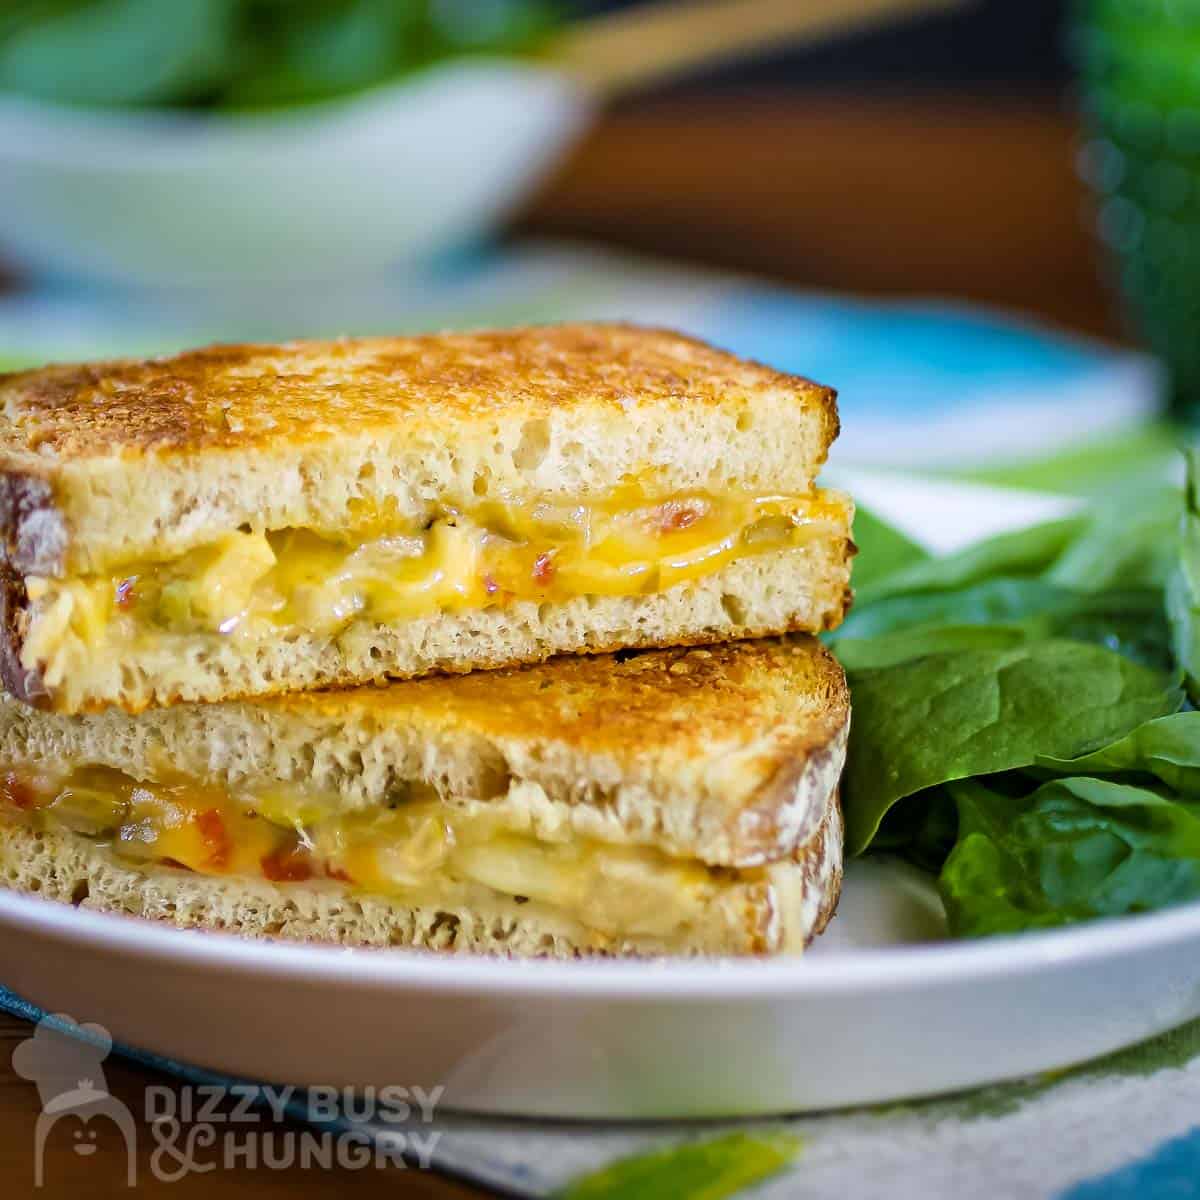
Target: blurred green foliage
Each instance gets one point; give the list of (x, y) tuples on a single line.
[(240, 54), (1139, 75)]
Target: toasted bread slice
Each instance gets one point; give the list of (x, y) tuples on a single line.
[(725, 753), (635, 800), (252, 519), (109, 463)]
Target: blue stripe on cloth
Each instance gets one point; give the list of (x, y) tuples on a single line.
[(19, 1007), (1172, 1172)]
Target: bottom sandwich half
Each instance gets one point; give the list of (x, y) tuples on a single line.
[(678, 802), (775, 909)]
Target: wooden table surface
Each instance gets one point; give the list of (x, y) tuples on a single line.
[(927, 195), (102, 1173)]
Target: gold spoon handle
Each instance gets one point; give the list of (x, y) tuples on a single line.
[(623, 51)]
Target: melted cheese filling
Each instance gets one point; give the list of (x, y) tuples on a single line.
[(421, 851), (250, 582)]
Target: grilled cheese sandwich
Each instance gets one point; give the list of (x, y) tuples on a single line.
[(676, 801), (247, 520)]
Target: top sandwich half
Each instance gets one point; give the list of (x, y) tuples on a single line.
[(251, 519)]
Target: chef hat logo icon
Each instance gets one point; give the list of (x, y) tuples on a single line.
[(60, 1054), (65, 1060)]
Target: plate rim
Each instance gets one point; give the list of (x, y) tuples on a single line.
[(893, 967)]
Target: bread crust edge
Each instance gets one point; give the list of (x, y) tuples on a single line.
[(24, 683), (31, 522)]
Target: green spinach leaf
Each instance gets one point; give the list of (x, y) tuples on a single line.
[(1072, 850), (119, 52), (1015, 716), (961, 713), (245, 53), (1183, 586), (1128, 541), (1046, 608), (325, 50), (1124, 543), (890, 649), (702, 1170), (1166, 749), (1023, 553), (882, 548)]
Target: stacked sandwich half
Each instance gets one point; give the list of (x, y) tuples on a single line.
[(278, 632)]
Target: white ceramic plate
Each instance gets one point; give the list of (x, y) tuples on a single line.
[(879, 1009)]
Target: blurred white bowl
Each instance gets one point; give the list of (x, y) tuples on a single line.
[(332, 191)]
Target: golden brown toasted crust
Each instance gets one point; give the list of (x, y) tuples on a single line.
[(111, 463), (728, 754), (631, 703), (238, 396), (107, 464)]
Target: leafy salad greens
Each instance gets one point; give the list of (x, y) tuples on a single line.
[(239, 54), (1024, 722)]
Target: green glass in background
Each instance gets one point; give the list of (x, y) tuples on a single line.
[(1139, 69)]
